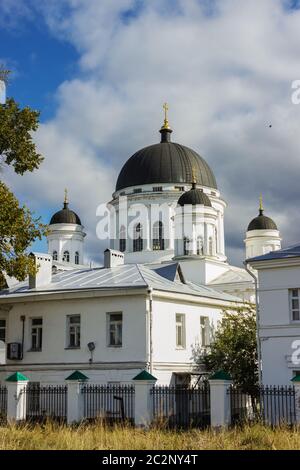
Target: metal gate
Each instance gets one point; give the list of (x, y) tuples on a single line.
[(109, 403), (181, 406)]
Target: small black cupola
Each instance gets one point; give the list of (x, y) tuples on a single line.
[(261, 222), (65, 215), (194, 197)]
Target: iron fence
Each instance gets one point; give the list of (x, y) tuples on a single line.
[(271, 405), (110, 403), (278, 405), (3, 403), (44, 402), (181, 406)]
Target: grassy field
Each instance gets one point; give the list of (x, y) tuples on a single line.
[(97, 437)]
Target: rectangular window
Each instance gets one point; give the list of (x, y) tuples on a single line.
[(36, 334), (180, 330), (137, 190), (157, 189), (115, 321), (179, 188), (73, 331), (294, 304), (204, 331), (2, 330)]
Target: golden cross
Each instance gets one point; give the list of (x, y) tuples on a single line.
[(166, 122), (166, 109), (261, 203), (66, 196)]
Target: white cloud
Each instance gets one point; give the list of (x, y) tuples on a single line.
[(226, 68)]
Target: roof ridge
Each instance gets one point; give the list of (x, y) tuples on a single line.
[(138, 265)]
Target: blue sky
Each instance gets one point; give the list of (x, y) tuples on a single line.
[(30, 51), (39, 62), (99, 71)]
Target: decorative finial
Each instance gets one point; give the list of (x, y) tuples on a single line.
[(261, 208), (194, 180), (66, 196), (166, 122)]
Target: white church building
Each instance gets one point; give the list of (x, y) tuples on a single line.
[(163, 288), (279, 314)]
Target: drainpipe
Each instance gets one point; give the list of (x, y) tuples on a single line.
[(257, 323), (150, 344), (22, 318)]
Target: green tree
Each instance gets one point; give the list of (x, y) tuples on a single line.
[(18, 227), (234, 349)]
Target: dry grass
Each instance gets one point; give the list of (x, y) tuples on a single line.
[(97, 437)]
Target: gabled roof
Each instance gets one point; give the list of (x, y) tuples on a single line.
[(231, 276), (284, 253), (128, 276), (171, 271)]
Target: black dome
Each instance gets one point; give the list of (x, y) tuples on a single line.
[(194, 196), (65, 216), (166, 162), (262, 222)]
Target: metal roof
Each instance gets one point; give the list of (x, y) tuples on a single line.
[(165, 162), (194, 197), (65, 216), (128, 276), (289, 252), (231, 276), (262, 222)]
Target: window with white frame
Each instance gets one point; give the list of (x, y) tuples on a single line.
[(180, 330), (54, 255), (138, 238), (186, 246), (66, 256), (76, 257), (294, 304), (2, 330), (73, 331), (204, 331), (158, 242), (114, 328), (200, 245), (36, 334)]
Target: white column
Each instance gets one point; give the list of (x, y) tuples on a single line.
[(220, 412), (297, 400), (143, 413), (16, 398), (75, 401)]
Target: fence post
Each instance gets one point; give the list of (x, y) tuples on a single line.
[(16, 398), (296, 383), (220, 412), (75, 397), (142, 405)]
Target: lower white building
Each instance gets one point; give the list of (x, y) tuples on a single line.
[(279, 314), (109, 323)]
